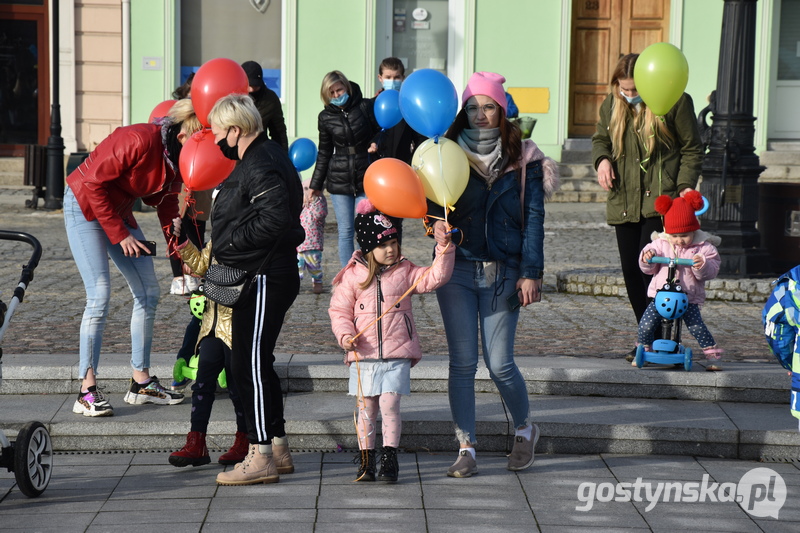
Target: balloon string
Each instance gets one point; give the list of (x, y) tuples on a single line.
[(405, 294), (444, 183)]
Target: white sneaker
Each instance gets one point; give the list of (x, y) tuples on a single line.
[(178, 286), (191, 283)]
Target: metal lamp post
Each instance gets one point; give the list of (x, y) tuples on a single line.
[(731, 166), (54, 191)]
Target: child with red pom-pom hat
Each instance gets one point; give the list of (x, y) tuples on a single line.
[(682, 238)]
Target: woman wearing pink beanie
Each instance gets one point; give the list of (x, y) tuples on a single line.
[(499, 262)]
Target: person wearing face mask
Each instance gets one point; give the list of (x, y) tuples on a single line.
[(499, 263), (346, 126), (256, 227), (639, 157), (399, 141)]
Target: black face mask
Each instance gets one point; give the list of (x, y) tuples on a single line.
[(231, 152)]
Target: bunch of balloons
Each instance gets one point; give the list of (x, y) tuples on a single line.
[(202, 164), (661, 74), (428, 102)]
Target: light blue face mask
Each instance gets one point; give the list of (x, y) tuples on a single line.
[(340, 100), (633, 100), (389, 85)]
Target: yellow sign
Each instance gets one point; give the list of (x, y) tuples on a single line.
[(531, 99)]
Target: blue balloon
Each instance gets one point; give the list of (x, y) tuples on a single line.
[(387, 109), (428, 102), (303, 153)]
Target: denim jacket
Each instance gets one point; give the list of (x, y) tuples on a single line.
[(489, 218)]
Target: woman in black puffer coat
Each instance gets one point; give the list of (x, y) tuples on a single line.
[(346, 128)]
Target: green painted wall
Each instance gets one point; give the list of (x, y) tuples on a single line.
[(151, 38), (330, 36), (511, 38), (526, 48)]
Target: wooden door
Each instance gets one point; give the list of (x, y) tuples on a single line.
[(602, 32)]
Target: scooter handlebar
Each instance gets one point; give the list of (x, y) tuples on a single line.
[(666, 260)]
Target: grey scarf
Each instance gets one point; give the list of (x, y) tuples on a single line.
[(484, 151)]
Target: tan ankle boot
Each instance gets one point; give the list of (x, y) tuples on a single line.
[(282, 459), (256, 468)]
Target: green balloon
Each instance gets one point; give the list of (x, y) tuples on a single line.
[(660, 75)]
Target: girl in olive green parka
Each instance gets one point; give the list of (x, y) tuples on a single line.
[(639, 157)]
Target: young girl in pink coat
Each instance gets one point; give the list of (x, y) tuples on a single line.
[(682, 238), (370, 284)]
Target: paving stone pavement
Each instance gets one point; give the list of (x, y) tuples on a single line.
[(576, 237)]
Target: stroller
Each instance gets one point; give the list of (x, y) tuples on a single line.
[(30, 457), (671, 304)]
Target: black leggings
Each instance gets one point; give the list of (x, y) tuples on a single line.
[(632, 237), (255, 329), (214, 357)]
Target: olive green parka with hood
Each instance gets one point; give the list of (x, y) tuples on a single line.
[(640, 177)]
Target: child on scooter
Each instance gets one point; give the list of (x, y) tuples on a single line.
[(682, 238)]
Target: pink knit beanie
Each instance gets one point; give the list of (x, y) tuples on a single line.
[(488, 84)]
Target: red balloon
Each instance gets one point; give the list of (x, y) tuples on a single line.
[(395, 189), (214, 79), (161, 110), (202, 164)]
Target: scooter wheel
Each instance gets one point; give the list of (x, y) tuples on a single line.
[(639, 359), (33, 459), (687, 361), (177, 369)]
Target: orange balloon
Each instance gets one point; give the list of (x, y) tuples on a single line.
[(161, 110), (394, 188), (201, 162), (214, 79)]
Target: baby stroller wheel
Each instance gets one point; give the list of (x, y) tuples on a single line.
[(33, 459), (687, 361)]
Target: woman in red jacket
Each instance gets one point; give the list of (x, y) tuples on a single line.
[(137, 161)]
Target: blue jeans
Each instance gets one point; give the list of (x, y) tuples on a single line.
[(91, 249), (470, 303), (344, 206)]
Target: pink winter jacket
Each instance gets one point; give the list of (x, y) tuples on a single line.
[(395, 335), (693, 280)]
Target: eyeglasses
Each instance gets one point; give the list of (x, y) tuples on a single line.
[(488, 110)]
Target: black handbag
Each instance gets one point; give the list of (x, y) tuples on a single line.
[(226, 285), (231, 286)]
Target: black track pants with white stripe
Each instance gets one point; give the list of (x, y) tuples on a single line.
[(255, 329)]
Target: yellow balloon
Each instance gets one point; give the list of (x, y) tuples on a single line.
[(443, 170)]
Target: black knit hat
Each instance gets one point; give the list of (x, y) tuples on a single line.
[(255, 75), (372, 227)]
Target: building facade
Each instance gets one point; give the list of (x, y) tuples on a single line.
[(119, 58)]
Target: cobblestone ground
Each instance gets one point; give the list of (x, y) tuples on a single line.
[(49, 319)]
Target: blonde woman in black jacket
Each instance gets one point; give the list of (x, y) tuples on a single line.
[(256, 227), (346, 126)]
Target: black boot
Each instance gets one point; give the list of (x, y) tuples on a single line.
[(366, 470), (389, 467)]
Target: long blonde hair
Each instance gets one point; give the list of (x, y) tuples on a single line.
[(651, 130)]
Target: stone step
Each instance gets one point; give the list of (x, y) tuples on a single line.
[(784, 158), (583, 143), (324, 421), (572, 376), (576, 156), (781, 173), (791, 146), (578, 171)]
